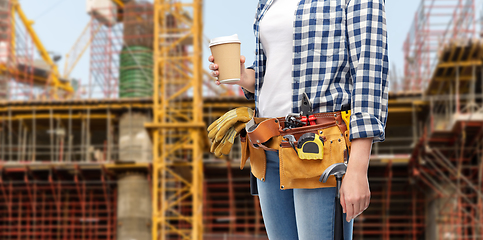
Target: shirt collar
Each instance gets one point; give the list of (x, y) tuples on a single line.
[(266, 5)]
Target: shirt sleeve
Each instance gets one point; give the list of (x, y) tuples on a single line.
[(249, 95), (367, 42)]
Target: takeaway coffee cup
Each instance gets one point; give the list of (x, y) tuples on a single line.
[(226, 51)]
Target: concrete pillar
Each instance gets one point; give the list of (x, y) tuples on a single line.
[(133, 207), (3, 87), (5, 18), (134, 141), (439, 211), (432, 203)]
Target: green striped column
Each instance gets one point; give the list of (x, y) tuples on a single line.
[(136, 72)]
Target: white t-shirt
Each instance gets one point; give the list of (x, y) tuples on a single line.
[(276, 35)]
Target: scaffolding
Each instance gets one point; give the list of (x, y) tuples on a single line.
[(450, 167), (448, 155), (81, 131), (104, 61), (228, 206), (17, 57), (444, 57), (54, 203), (436, 22)]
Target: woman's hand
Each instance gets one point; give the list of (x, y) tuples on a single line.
[(354, 192), (247, 76)]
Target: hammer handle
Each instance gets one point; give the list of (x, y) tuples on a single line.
[(339, 221)]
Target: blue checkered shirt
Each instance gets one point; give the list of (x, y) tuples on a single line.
[(339, 57)]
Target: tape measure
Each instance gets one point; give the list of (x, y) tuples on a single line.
[(346, 116), (310, 146)]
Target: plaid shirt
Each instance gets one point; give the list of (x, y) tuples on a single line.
[(339, 57)]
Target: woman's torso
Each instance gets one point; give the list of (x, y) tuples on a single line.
[(276, 35)]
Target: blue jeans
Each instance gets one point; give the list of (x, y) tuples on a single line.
[(304, 214)]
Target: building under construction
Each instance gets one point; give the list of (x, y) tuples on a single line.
[(125, 155)]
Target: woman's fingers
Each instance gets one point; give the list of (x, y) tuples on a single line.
[(213, 67), (342, 202), (353, 206), (362, 207), (349, 211), (359, 206), (368, 201)]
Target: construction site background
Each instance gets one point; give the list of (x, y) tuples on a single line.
[(124, 154)]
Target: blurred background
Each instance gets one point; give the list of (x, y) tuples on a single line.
[(104, 106)]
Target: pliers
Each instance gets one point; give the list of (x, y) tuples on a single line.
[(306, 111)]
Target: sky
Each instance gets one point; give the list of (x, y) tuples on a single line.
[(59, 23)]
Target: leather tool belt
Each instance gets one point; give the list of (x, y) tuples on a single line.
[(262, 130), (267, 134)]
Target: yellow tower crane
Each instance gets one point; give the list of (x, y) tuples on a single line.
[(177, 127), (59, 88)]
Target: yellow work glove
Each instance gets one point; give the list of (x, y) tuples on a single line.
[(223, 146), (217, 130)]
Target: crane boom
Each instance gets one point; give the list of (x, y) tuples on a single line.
[(55, 76), (79, 48)]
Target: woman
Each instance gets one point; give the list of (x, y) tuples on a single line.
[(335, 51)]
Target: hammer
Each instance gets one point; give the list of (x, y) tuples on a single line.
[(338, 170)]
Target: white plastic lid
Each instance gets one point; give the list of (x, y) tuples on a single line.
[(227, 39)]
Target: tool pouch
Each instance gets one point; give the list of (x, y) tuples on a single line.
[(257, 158), (294, 172)]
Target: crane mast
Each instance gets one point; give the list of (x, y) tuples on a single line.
[(177, 125)]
